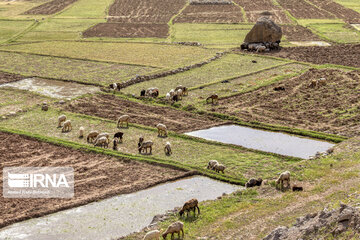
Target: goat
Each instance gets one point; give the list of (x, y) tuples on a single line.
[(190, 205)]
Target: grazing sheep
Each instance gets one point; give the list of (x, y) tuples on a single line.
[(179, 93), (168, 96), (142, 93), (172, 92), (91, 136), (162, 129), (141, 140), (284, 177), (67, 126), (211, 164), (123, 119), (175, 98), (115, 143), (81, 132), (260, 49), (119, 135), (167, 149), (190, 205), (103, 135), (152, 92), (61, 119), (152, 235), (183, 89), (175, 227), (321, 82), (146, 145), (253, 182), (102, 142), (219, 168), (313, 84), (114, 86), (214, 99)]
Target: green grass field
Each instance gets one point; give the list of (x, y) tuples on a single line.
[(196, 97), (240, 163), (13, 100), (336, 32), (158, 55), (9, 29), (14, 9), (68, 69), (229, 66), (353, 4), (86, 9)]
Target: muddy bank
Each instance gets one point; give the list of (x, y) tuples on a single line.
[(96, 176), (333, 108), (111, 107), (9, 77), (337, 54)]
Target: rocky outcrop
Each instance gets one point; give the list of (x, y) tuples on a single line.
[(319, 225)]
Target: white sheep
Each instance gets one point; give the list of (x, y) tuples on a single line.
[(162, 129), (61, 119), (102, 142), (168, 96), (106, 135), (211, 164), (219, 168), (172, 92), (123, 119), (152, 235), (260, 49), (167, 148), (284, 177), (92, 135), (81, 132), (67, 126), (175, 227)]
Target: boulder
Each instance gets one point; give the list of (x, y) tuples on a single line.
[(264, 31)]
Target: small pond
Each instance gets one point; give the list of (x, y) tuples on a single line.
[(52, 88), (273, 142), (117, 216)]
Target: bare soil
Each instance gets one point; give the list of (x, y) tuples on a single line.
[(9, 77), (298, 33), (338, 10), (254, 9), (111, 107), (139, 11), (97, 176), (50, 7), (334, 108), (303, 10), (337, 54), (210, 14), (118, 30)]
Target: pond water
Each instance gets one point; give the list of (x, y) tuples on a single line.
[(117, 216), (53, 88), (273, 142)]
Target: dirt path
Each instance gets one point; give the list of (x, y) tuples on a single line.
[(111, 107), (96, 176)]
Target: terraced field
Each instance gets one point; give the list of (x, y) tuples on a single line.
[(66, 53)]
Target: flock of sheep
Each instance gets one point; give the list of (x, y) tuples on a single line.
[(103, 139)]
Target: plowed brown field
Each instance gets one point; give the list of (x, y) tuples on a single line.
[(9, 77), (303, 10), (334, 108), (50, 7), (111, 107), (298, 33), (254, 8), (210, 14), (97, 176)]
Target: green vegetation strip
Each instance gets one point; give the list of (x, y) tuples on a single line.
[(150, 160)]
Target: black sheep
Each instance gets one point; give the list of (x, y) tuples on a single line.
[(119, 135), (253, 182), (142, 93)]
